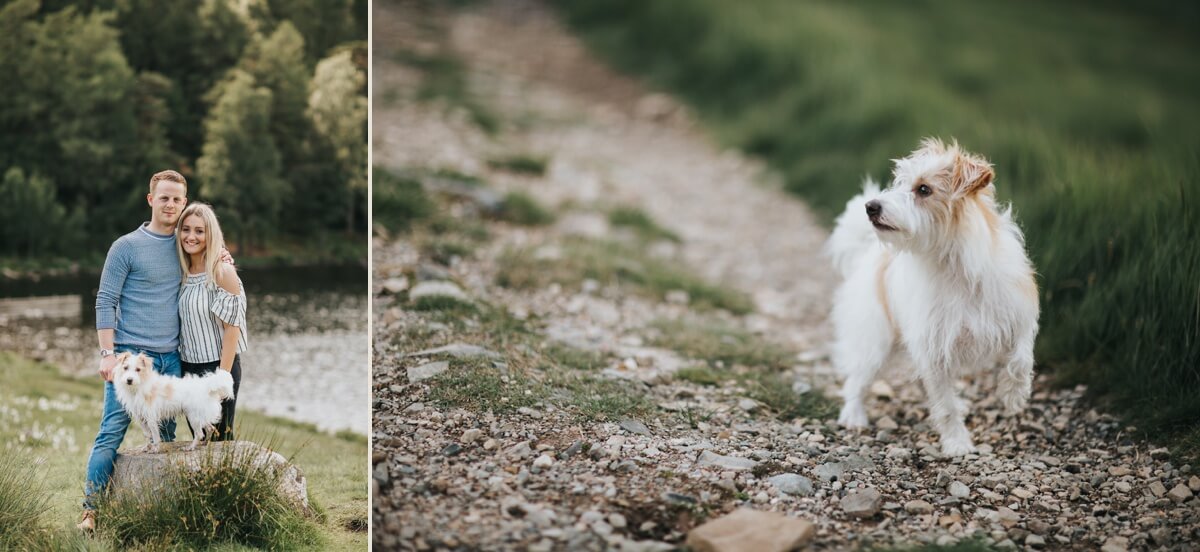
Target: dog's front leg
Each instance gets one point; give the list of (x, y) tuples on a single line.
[(155, 438), (946, 412), (141, 420), (1015, 381)]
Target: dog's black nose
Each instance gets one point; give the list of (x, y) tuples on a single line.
[(129, 381), (874, 208)]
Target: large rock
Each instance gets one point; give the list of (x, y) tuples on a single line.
[(148, 472), (747, 530)]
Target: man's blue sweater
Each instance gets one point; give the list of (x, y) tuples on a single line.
[(139, 291)]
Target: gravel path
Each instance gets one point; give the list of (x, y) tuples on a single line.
[(1060, 476)]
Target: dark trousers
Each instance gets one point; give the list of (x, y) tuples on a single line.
[(225, 426)]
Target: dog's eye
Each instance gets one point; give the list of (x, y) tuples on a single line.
[(924, 190)]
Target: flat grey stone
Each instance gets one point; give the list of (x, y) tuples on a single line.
[(862, 504), (792, 484), (634, 426), (427, 370), (732, 463), (829, 471), (458, 350), (437, 288)]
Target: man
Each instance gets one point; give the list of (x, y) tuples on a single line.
[(137, 310)]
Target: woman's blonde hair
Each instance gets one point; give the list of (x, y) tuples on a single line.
[(214, 241)]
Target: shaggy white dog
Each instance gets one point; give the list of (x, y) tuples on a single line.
[(150, 397), (932, 267)]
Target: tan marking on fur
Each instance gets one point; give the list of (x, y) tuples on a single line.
[(168, 392), (151, 394), (881, 287)]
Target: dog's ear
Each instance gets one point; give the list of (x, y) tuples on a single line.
[(972, 173), (122, 356), (144, 361)]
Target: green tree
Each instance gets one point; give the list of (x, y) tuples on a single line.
[(32, 222), (324, 23), (339, 113), (240, 165)]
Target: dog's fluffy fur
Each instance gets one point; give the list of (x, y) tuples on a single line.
[(150, 397), (934, 268)]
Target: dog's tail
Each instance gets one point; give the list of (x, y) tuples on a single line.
[(220, 384), (852, 234)]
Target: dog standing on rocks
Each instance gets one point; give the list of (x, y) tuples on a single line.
[(150, 397), (932, 266)]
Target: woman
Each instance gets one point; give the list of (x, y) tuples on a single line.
[(212, 307)]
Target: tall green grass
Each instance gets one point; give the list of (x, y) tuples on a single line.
[(1088, 113), (23, 504), (232, 497)]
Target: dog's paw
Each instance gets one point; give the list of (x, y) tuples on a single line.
[(1014, 398), (853, 416), (190, 447), (957, 447)]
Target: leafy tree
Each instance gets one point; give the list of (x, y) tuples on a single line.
[(324, 23), (339, 113), (240, 165), (32, 222)]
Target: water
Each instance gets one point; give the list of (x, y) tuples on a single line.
[(307, 359)]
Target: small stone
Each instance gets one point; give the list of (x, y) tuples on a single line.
[(490, 444), (948, 520), (745, 529), (1035, 541), (1161, 536), (532, 413), (426, 371), (395, 285), (1158, 489), (452, 449), (1122, 486), (1119, 471), (958, 490), (458, 350), (1022, 493), (1115, 544), (792, 484), (1038, 527), (748, 405), (886, 422), (1160, 454), (1194, 483), (634, 426), (881, 389), (617, 521), (470, 436), (899, 453), (544, 461), (829, 471), (1179, 494), (918, 507), (437, 288), (677, 297), (732, 463), (1007, 517), (862, 504)]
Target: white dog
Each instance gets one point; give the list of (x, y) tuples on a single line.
[(932, 265), (150, 397)]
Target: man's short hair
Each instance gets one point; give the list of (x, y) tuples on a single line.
[(169, 176)]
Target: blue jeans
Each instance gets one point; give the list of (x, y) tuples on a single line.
[(113, 424)]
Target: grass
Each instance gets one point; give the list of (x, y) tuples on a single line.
[(398, 201), (531, 374), (637, 220), (533, 165), (23, 500), (521, 208), (720, 343), (1087, 112), (615, 263), (231, 498), (52, 419), (445, 79)]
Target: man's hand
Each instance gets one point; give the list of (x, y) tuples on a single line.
[(226, 257), (106, 366)]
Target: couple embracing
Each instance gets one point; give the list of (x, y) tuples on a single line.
[(169, 291)]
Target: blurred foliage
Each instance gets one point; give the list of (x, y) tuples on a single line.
[(101, 94), (1088, 112)]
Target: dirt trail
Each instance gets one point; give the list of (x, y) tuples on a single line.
[(1059, 476)]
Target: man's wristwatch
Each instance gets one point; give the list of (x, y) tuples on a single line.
[(105, 352)]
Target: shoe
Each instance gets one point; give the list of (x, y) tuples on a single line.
[(88, 523)]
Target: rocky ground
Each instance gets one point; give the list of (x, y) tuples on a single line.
[(603, 331)]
